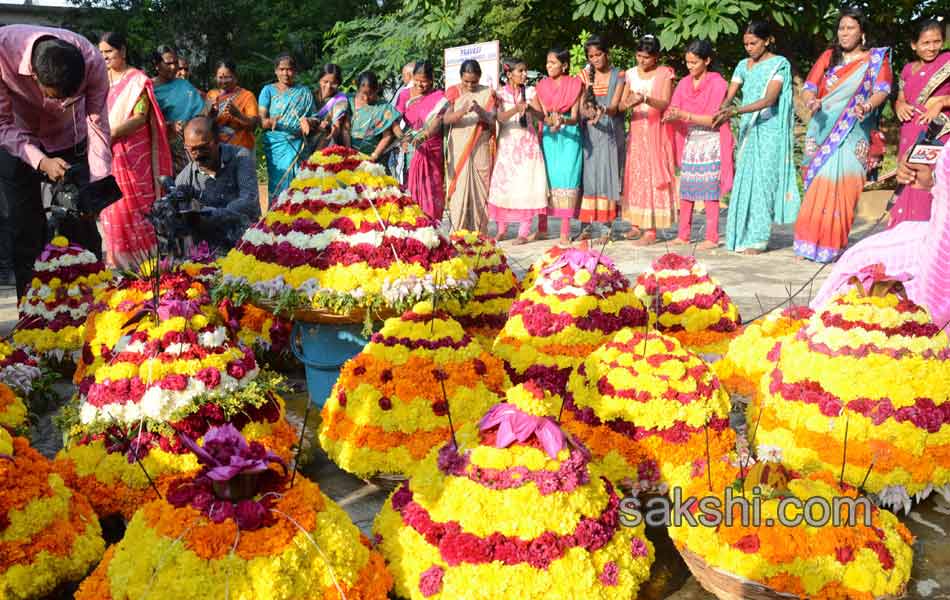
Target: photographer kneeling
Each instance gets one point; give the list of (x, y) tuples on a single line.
[(223, 180), (53, 116)]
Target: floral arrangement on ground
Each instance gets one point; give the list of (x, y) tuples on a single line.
[(746, 360), (167, 369), (513, 509), (868, 559), (650, 411), (689, 304), (862, 389), (387, 411), (240, 528), (495, 291), (49, 535), (578, 302), (66, 282), (344, 237), (13, 412)]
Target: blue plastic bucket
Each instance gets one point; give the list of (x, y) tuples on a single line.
[(323, 349)]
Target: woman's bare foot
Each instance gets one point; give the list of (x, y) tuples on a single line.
[(537, 235), (520, 241), (635, 233), (564, 241), (707, 245), (751, 252), (678, 242)]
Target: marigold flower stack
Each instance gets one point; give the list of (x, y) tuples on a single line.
[(239, 528), (746, 360), (345, 238), (171, 368), (49, 535), (514, 511), (578, 301), (66, 282), (496, 290), (771, 559), (387, 410), (646, 407), (13, 412), (689, 304), (863, 388)]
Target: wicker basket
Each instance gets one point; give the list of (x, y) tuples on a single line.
[(387, 481), (727, 586)]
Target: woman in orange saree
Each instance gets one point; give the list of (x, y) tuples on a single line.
[(468, 155), (140, 155), (844, 90)]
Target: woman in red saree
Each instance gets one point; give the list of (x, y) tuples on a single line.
[(924, 97), (140, 155), (423, 142), (471, 121)]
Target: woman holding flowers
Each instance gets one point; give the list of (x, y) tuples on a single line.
[(371, 124), (468, 156), (702, 149), (765, 189), (329, 125), (140, 155), (648, 199), (924, 97), (519, 185), (844, 91), (423, 141), (558, 99), (282, 106)]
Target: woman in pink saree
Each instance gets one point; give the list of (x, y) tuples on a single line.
[(140, 154), (924, 97), (423, 142)]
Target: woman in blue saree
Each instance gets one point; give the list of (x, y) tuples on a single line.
[(372, 120), (282, 105), (844, 91), (329, 126), (178, 100), (765, 188)]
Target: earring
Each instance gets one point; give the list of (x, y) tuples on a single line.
[(864, 40)]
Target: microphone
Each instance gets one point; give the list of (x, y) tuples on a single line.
[(524, 98), (924, 152)]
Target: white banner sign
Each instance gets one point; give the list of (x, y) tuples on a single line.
[(488, 55)]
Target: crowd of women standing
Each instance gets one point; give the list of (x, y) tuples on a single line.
[(605, 146)]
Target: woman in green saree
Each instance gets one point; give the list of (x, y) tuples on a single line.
[(765, 188), (371, 126)]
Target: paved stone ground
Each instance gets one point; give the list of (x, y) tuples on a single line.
[(768, 276)]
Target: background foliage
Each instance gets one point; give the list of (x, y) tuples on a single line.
[(385, 34)]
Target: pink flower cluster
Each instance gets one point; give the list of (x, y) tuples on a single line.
[(457, 547), (540, 321), (409, 250)]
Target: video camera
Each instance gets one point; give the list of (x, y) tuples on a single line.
[(176, 217), (74, 197)]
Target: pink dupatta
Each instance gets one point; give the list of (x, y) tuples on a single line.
[(559, 97), (704, 100)]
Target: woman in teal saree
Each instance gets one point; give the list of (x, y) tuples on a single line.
[(371, 123), (765, 189)]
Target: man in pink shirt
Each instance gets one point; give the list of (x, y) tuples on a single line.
[(53, 90)]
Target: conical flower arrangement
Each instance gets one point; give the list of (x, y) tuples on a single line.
[(650, 411), (345, 238), (746, 360), (866, 554), (689, 304), (863, 390), (171, 368), (242, 527), (514, 511), (387, 411), (496, 290), (49, 535), (578, 302), (66, 281)]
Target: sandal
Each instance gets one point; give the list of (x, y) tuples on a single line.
[(635, 233)]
